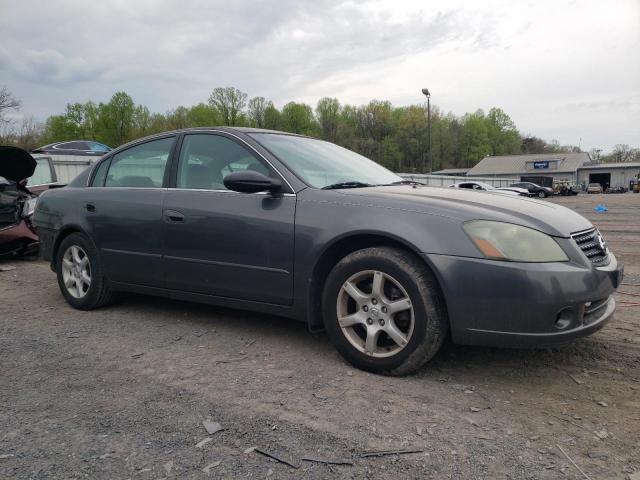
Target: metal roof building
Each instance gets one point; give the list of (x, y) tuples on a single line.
[(460, 172), (576, 168), (561, 166)]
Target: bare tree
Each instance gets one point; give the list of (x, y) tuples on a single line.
[(30, 133), (256, 110), (7, 102)]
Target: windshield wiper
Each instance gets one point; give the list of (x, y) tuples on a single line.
[(354, 184), (402, 182)]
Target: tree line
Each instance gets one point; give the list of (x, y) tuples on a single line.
[(395, 137)]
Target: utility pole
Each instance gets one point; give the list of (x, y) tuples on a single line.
[(427, 94)]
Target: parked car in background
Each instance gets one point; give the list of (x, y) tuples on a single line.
[(299, 227), (618, 189), (481, 186), (564, 188), (19, 189), (75, 147), (534, 189), (594, 188), (17, 203)]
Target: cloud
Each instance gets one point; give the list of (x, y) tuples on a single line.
[(541, 61), (49, 66)]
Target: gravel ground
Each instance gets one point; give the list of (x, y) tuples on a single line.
[(122, 392)]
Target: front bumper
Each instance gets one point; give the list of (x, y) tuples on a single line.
[(514, 304)]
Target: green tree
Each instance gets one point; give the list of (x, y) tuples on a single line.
[(503, 135), (297, 118), (230, 102), (203, 115), (271, 118), (411, 137), (116, 119), (328, 114), (374, 123), (475, 139)]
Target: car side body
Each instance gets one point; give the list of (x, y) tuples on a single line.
[(485, 187), (273, 252), (534, 189)]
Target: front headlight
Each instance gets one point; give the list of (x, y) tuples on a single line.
[(508, 242), (29, 207)]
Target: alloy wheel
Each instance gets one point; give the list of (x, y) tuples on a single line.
[(375, 313), (76, 271)]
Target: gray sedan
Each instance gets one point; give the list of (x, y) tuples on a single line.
[(303, 228)]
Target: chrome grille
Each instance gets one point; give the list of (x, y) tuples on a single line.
[(593, 246)]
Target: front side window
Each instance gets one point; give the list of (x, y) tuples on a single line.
[(321, 164), (206, 159), (142, 166)]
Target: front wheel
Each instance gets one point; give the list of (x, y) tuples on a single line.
[(383, 311), (79, 273), (542, 194)]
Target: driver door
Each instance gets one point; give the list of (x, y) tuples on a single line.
[(223, 243)]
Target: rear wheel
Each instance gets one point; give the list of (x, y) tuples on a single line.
[(383, 312), (80, 275)]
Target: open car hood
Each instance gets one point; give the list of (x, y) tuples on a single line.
[(16, 164)]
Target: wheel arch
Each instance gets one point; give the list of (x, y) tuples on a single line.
[(63, 233), (341, 247)]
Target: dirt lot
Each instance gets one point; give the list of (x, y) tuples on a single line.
[(122, 392)]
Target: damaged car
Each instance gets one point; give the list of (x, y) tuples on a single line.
[(295, 226), (17, 201)]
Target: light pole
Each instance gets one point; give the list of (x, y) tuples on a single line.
[(427, 94)]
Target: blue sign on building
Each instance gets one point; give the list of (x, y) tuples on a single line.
[(538, 165)]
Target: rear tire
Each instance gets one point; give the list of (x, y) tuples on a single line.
[(80, 276), (392, 316)]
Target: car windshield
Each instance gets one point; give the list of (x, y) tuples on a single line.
[(322, 164)]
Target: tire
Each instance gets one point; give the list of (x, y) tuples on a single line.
[(76, 290), (542, 194), (422, 326)]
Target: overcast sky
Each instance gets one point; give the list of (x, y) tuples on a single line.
[(567, 70)]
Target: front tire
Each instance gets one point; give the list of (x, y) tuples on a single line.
[(80, 276), (383, 311), (542, 194)]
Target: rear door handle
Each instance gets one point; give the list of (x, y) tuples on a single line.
[(173, 216), (90, 207)]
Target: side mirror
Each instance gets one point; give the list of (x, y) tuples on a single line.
[(249, 181)]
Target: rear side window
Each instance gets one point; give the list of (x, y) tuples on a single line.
[(142, 166)]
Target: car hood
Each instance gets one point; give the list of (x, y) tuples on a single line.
[(16, 164), (464, 205)]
